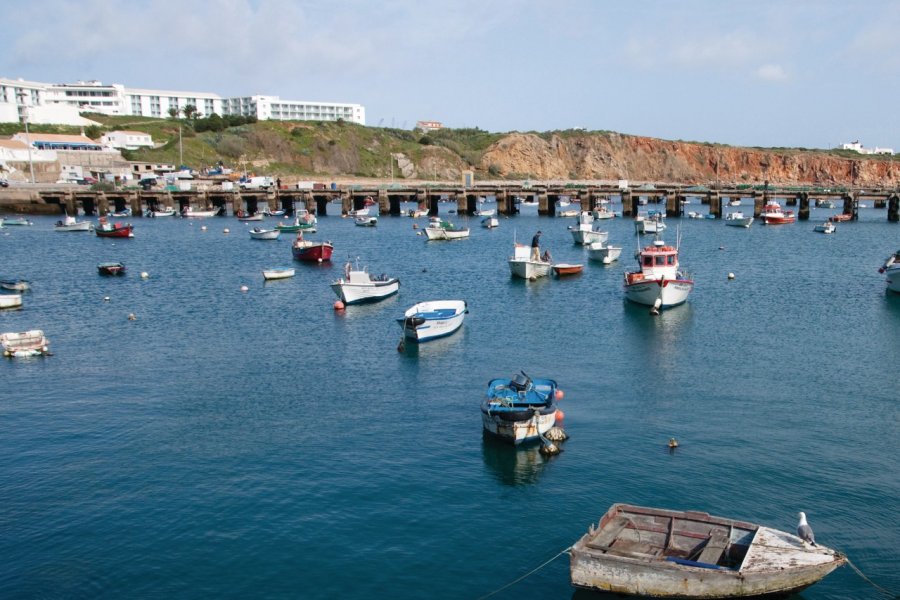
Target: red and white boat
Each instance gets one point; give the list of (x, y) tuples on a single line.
[(772, 214), (840, 218), (659, 283), (310, 251), (114, 230)]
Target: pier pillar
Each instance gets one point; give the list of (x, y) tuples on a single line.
[(628, 204), (803, 200), (758, 203), (102, 204), (879, 203), (715, 204), (586, 200), (673, 205), (850, 207), (543, 203), (503, 202), (462, 204), (321, 204), (71, 205), (893, 203)]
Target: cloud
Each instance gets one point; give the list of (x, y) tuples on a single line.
[(775, 73)]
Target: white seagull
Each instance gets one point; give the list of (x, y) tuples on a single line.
[(804, 530)]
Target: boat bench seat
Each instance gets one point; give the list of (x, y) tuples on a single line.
[(714, 548), (441, 313), (606, 536)]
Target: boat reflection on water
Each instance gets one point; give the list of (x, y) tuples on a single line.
[(369, 309), (512, 465), (433, 347)]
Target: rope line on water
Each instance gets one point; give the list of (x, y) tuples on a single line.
[(872, 583), (531, 572)]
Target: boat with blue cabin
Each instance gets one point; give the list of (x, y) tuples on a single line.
[(519, 409)]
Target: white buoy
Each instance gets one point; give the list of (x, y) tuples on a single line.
[(226, 230), (106, 298), (132, 317), (731, 276), (244, 288), (203, 228), (319, 261), (144, 274)]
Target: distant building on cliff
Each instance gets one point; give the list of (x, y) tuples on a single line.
[(426, 126), (60, 103), (857, 147)]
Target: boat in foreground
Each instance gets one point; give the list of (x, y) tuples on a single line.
[(434, 319), (737, 219), (10, 300), (278, 273), (26, 343), (826, 227), (772, 214), (111, 268), (519, 409), (891, 268), (522, 265), (659, 283), (113, 230), (258, 233), (662, 553), (72, 224), (309, 251), (357, 286)]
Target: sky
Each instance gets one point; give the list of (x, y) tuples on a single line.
[(769, 73)]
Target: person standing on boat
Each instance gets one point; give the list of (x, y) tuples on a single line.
[(536, 246)]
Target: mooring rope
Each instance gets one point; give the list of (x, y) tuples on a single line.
[(872, 583), (531, 572)]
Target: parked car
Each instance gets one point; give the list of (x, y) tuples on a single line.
[(257, 183)]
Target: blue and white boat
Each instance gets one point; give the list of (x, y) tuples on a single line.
[(520, 409), (431, 320)]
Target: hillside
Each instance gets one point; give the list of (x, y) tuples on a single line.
[(337, 149)]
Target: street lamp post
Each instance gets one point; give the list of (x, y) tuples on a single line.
[(27, 135)]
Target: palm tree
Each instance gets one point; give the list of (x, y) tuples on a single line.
[(190, 111), (174, 112)]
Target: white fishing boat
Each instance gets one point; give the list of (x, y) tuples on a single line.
[(26, 343), (15, 285), (825, 204), (10, 300), (659, 283), (366, 221), (166, 212), (358, 286), (652, 222), (190, 213), (490, 222), (734, 202), (660, 553), (568, 213), (603, 252), (486, 213), (737, 219), (826, 227), (586, 232), (431, 320), (242, 216), (278, 273), (772, 214), (891, 269), (359, 212), (418, 212), (73, 224), (602, 212), (439, 229), (258, 233), (522, 265)]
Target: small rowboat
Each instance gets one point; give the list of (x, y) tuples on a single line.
[(258, 233), (111, 268), (562, 269), (10, 300), (278, 273), (26, 343), (840, 218), (16, 285)]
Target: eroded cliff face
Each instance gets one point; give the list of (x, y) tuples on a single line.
[(614, 156)]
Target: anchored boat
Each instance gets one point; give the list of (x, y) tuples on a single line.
[(659, 283), (891, 268), (431, 320), (522, 265), (661, 553), (114, 230), (357, 286), (519, 409), (26, 343)]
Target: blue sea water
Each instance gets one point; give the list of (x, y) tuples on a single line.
[(260, 444)]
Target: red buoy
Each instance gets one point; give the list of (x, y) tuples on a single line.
[(560, 394), (560, 415), (338, 305)]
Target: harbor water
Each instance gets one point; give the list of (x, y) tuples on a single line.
[(229, 444)]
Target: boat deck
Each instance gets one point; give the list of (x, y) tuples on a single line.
[(439, 313)]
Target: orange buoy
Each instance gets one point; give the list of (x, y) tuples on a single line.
[(560, 415), (560, 394), (338, 305)]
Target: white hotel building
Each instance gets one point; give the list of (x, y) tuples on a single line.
[(61, 103)]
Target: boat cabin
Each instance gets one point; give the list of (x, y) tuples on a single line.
[(657, 261)]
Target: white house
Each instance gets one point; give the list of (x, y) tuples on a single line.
[(127, 140), (857, 147)]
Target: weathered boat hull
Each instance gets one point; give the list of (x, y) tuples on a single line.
[(521, 431), (433, 233), (563, 269), (117, 231), (671, 292)]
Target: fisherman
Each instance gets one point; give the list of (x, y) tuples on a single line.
[(536, 246)]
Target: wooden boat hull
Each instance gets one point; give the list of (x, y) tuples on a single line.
[(26, 343), (312, 252), (427, 321), (434, 233), (563, 269), (639, 555), (840, 218)]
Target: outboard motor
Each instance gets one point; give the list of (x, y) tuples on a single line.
[(520, 382)]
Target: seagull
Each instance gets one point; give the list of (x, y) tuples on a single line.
[(804, 530)]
